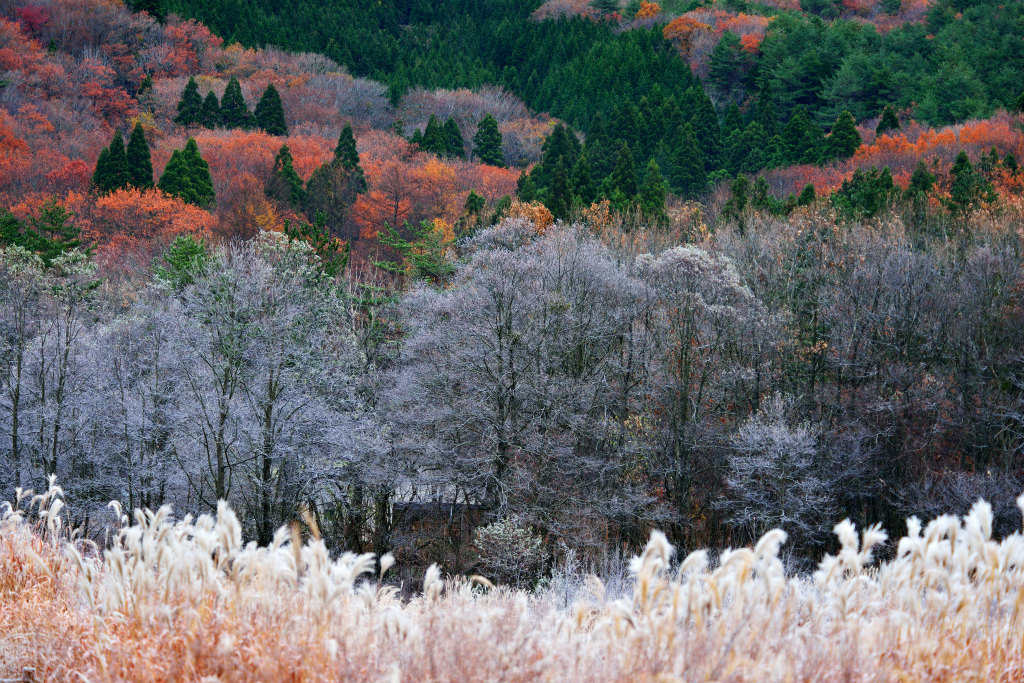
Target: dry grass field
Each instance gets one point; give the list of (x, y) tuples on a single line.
[(187, 601)]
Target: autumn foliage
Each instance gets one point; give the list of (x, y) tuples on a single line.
[(60, 111), (902, 150)]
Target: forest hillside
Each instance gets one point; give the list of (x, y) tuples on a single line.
[(389, 322)]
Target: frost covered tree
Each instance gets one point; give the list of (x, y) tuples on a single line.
[(515, 383)]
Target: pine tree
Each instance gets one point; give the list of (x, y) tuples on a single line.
[(737, 204), (140, 165), (526, 187), (583, 182), (844, 139), (284, 183), (269, 112), (435, 140), (621, 184), (561, 144), (687, 173), (765, 113), (210, 116), (234, 113), (111, 171), (334, 186), (599, 147), (1019, 104), (187, 175), (456, 145), (347, 155), (190, 106), (807, 195), (199, 172), (652, 194), (803, 138), (733, 121), (560, 195), (487, 142), (50, 232), (175, 178), (706, 128), (970, 188), (184, 259), (888, 121)]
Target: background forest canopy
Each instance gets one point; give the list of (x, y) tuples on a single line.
[(962, 59), (765, 268)]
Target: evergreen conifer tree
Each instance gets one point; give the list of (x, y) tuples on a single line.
[(888, 121), (733, 121), (706, 127), (187, 175), (199, 174), (623, 176), (347, 155), (526, 187), (598, 147), (269, 112), (560, 195), (803, 139), (807, 195), (970, 188), (765, 112), (1019, 104), (285, 184), (687, 173), (652, 194), (456, 145), (435, 140), (487, 142), (583, 182), (140, 165), (190, 106), (844, 139), (111, 171), (234, 113), (210, 116)]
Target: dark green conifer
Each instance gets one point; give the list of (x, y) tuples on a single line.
[(623, 177), (807, 195), (140, 165), (190, 106), (456, 145), (583, 182), (269, 112), (435, 140), (844, 139), (970, 188), (687, 174), (284, 183), (187, 175), (888, 121), (560, 195), (803, 138), (526, 187), (210, 117), (347, 155), (652, 194), (111, 171), (234, 113), (487, 142)]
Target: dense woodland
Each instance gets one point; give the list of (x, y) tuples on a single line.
[(489, 284)]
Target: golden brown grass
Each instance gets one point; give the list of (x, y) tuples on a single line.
[(187, 601)]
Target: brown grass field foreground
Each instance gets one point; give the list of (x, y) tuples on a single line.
[(187, 601)]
